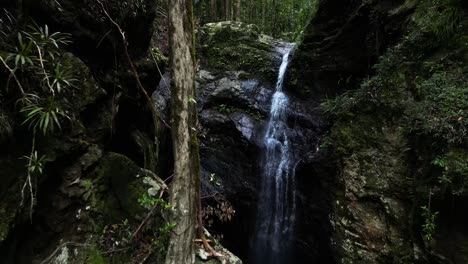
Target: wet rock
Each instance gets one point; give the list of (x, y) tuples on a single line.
[(228, 90), (245, 124)]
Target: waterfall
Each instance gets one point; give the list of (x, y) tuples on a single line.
[(276, 204)]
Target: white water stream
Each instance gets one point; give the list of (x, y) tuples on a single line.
[(276, 206)]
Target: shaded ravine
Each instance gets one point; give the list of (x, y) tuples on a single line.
[(276, 204)]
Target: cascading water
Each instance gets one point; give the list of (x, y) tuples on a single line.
[(276, 204)]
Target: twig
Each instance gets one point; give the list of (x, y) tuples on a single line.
[(12, 73), (147, 216), (103, 37), (43, 69), (143, 261), (206, 245), (28, 180), (165, 83), (115, 250), (168, 178), (200, 240), (160, 74)]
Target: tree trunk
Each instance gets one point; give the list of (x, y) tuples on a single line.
[(227, 5), (214, 13), (237, 9), (184, 196)]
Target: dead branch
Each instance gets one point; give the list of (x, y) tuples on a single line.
[(147, 216), (12, 73), (201, 232)]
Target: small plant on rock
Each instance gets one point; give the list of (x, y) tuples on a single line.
[(429, 226)]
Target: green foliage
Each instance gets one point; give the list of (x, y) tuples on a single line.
[(226, 109), (33, 58), (50, 42), (338, 106), (430, 93), (429, 226), (158, 57), (148, 202), (42, 114), (281, 19), (454, 165), (443, 112), (419, 88), (163, 236), (23, 53), (37, 56), (36, 163), (214, 180), (442, 18)]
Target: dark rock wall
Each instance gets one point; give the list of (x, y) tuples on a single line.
[(378, 166), (76, 196), (236, 81), (342, 43)]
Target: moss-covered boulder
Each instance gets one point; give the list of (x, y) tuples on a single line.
[(237, 46), (120, 176)]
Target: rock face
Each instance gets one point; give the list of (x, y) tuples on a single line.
[(378, 163), (342, 43), (238, 71), (90, 27), (86, 187)]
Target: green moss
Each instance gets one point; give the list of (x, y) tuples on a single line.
[(454, 165), (159, 58), (95, 256), (237, 46), (348, 136), (113, 188)]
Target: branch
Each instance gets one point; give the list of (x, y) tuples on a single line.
[(12, 73), (147, 216), (46, 76), (206, 245)]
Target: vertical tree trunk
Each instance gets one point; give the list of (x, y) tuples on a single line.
[(237, 10), (274, 12), (214, 13), (263, 26), (227, 6), (184, 196)]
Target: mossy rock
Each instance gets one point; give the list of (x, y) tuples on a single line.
[(227, 46), (348, 136), (87, 85), (113, 188)]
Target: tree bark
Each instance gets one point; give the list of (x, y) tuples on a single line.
[(184, 195), (237, 9), (214, 13)]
